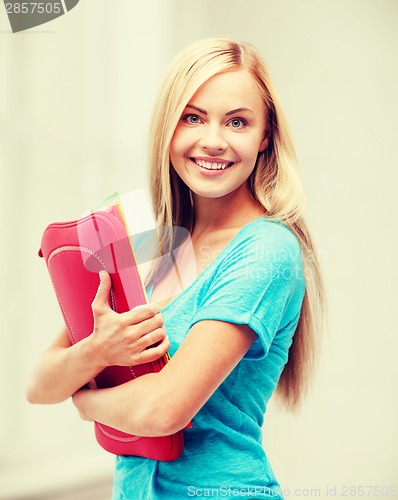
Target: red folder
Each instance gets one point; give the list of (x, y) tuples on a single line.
[(75, 252)]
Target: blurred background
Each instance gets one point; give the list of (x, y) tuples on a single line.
[(76, 96)]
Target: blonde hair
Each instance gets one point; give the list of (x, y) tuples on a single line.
[(274, 183)]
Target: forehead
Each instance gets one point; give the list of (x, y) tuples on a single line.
[(232, 89)]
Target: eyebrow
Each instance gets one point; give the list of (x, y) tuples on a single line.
[(238, 110), (232, 112)]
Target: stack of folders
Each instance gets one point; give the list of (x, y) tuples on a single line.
[(75, 252)]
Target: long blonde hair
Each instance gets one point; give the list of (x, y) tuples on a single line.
[(274, 183)]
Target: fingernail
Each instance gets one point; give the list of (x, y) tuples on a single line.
[(101, 274)]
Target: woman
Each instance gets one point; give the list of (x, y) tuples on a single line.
[(223, 167)]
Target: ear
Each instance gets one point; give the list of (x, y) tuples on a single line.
[(264, 143)]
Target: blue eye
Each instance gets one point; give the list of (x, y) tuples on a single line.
[(237, 123), (192, 119)]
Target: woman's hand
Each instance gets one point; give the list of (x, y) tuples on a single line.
[(127, 339)]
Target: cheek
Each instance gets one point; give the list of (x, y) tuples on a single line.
[(249, 148), (181, 142), (174, 145), (175, 153)]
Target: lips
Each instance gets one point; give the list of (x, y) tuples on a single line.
[(212, 163)]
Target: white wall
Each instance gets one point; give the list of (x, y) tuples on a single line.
[(75, 100)]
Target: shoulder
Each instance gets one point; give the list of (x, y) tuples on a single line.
[(270, 232), (266, 241)]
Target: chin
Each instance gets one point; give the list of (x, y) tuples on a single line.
[(210, 194)]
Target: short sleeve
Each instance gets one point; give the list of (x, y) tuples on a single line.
[(259, 283)]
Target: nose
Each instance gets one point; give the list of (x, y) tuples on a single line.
[(213, 139)]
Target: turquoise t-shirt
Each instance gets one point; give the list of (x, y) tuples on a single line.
[(256, 280)]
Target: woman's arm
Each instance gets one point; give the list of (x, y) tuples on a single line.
[(163, 403), (62, 369), (117, 339)]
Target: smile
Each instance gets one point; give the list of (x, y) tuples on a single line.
[(215, 165)]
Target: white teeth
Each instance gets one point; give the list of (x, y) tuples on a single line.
[(211, 166)]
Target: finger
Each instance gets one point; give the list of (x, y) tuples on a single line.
[(154, 352), (141, 313), (142, 340), (101, 299), (145, 327), (152, 339), (152, 307)]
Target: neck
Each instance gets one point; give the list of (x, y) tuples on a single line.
[(230, 211)]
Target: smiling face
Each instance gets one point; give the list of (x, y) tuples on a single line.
[(219, 135)]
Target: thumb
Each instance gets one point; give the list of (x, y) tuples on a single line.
[(102, 296)]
